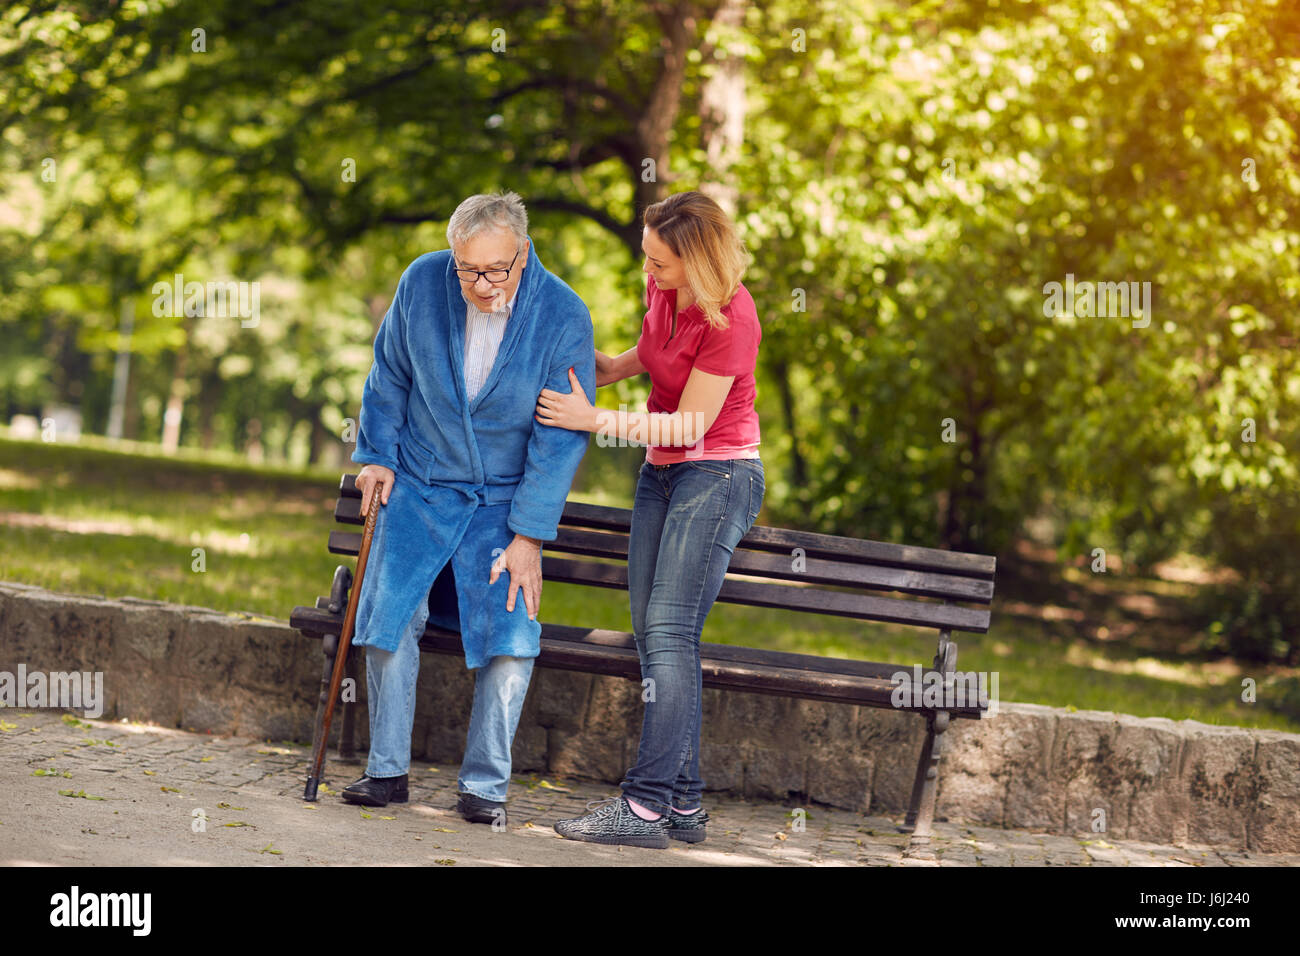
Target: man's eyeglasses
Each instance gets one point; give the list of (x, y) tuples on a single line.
[(495, 276)]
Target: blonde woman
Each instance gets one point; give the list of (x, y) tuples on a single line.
[(697, 495)]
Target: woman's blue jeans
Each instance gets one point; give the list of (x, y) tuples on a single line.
[(686, 522)]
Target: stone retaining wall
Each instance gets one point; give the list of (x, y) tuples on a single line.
[(1159, 780)]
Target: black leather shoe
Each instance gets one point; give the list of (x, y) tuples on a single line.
[(377, 791), (477, 810)]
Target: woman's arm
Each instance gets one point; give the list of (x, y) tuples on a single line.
[(698, 409), (615, 368)]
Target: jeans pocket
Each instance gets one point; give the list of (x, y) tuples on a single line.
[(757, 488), (755, 498), (719, 469)]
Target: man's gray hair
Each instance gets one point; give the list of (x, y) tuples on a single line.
[(488, 211)]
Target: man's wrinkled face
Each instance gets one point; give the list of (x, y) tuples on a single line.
[(491, 249)]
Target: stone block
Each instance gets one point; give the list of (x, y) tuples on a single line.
[(1275, 821), (892, 740), (772, 774), (841, 782), (1022, 749), (562, 697), (969, 786), (585, 754), (1219, 786), (722, 765)]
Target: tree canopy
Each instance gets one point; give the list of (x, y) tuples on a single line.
[(913, 180)]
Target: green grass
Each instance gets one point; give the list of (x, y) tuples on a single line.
[(92, 520)]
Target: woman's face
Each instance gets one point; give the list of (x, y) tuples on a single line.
[(661, 263)]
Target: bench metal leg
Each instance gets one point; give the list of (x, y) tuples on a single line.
[(329, 645), (348, 735), (921, 814), (338, 601), (925, 785), (347, 749), (918, 781)]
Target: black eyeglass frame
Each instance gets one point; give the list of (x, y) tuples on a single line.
[(460, 273)]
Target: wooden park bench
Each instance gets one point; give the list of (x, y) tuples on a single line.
[(772, 567)]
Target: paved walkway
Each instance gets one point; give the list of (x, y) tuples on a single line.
[(82, 792)]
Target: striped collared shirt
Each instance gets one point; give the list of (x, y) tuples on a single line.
[(483, 334)]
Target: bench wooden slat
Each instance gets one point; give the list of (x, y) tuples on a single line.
[(624, 640), (814, 545), (604, 544), (864, 607), (763, 538), (729, 653)]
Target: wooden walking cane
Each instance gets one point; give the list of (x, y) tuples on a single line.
[(344, 648)]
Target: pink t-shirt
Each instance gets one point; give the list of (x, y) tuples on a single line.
[(669, 359)]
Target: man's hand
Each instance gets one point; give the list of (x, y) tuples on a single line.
[(373, 477), (523, 559)]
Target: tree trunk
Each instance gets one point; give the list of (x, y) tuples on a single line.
[(722, 110), (655, 125), (131, 405), (798, 466), (209, 396), (171, 430), (965, 518), (319, 436)]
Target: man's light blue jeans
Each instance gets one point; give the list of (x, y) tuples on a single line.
[(686, 522), (499, 691)]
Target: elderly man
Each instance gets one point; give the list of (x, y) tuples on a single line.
[(468, 481)]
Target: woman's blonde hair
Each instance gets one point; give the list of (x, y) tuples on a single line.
[(703, 236)]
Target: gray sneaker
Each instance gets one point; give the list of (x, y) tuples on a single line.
[(687, 827), (613, 821)]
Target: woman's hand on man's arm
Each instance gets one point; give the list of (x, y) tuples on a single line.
[(701, 402)]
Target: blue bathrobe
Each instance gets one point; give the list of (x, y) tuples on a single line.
[(470, 475)]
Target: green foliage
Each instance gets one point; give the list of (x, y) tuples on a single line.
[(912, 177), (1077, 141)]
